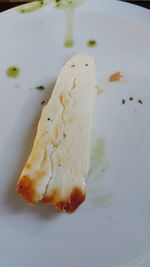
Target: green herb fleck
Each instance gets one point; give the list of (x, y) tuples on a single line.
[(91, 43), (41, 2), (12, 72), (65, 4), (33, 6), (40, 87), (58, 5)]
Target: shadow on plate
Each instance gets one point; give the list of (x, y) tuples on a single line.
[(17, 204)]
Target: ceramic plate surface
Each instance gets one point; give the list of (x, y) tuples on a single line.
[(112, 227)]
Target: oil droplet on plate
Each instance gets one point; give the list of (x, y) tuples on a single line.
[(91, 43), (13, 72), (68, 43), (116, 77), (69, 7)]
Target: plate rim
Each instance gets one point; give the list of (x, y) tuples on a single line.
[(124, 8)]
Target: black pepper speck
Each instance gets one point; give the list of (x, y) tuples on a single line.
[(49, 119), (40, 87), (140, 101)]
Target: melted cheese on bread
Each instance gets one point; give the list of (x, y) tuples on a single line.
[(60, 159)]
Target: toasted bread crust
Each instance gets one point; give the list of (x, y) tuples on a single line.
[(68, 205), (59, 161), (26, 188)]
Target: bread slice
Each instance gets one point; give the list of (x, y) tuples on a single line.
[(60, 159)]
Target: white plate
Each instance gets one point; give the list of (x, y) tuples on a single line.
[(111, 229)]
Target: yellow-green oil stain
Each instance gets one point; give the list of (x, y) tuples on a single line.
[(101, 200), (68, 3), (95, 194), (98, 154), (96, 197), (69, 40), (13, 72), (98, 176), (68, 43), (69, 6), (31, 7)]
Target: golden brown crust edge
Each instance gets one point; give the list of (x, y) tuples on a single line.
[(26, 188), (68, 205)]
